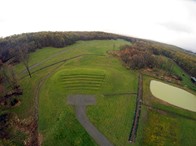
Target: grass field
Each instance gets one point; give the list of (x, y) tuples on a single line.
[(92, 72), (87, 68), (81, 84)]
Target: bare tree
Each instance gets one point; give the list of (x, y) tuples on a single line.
[(2, 88), (8, 81), (9, 75), (24, 57)]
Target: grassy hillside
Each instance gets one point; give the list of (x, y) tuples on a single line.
[(57, 122), (88, 67)]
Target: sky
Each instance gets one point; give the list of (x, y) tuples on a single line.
[(167, 21)]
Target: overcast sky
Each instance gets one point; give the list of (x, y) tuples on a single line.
[(169, 21)]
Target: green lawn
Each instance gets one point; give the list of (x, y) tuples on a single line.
[(95, 72), (113, 80)]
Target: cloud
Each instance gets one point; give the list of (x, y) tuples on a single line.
[(168, 21), (178, 27), (193, 1), (2, 20), (188, 43)]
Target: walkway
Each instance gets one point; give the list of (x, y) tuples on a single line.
[(80, 102)]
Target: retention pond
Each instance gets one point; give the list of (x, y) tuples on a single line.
[(173, 95)]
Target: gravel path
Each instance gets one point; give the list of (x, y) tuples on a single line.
[(80, 102)]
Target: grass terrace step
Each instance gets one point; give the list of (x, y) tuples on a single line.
[(83, 76), (82, 83), (82, 88), (97, 75), (83, 79)]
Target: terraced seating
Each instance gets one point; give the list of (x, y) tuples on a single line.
[(83, 81)]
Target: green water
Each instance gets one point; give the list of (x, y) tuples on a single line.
[(173, 95)]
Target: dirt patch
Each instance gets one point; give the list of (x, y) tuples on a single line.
[(40, 139), (26, 126)]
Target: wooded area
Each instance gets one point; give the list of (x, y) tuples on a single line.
[(142, 54)]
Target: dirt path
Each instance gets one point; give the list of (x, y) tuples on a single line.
[(80, 102), (133, 133), (35, 133), (46, 59)]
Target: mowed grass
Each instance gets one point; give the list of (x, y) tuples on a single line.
[(41, 56), (82, 81), (93, 72), (49, 55), (113, 116), (53, 103)]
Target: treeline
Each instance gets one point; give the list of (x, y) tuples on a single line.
[(10, 46), (143, 54), (29, 42), (137, 58), (185, 59)]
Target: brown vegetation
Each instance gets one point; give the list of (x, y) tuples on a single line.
[(146, 54), (137, 58)]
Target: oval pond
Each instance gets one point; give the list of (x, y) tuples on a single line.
[(173, 95)]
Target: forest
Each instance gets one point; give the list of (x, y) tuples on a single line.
[(142, 54)]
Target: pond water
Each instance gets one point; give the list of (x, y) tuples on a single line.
[(173, 95)]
